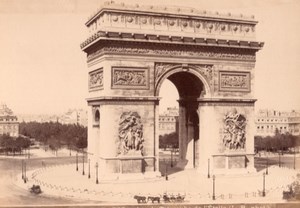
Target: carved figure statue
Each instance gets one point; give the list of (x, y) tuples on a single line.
[(130, 133), (234, 130)]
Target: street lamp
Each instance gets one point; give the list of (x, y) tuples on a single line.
[(294, 158), (264, 191), (267, 169), (25, 172), (214, 194), (97, 181), (208, 175), (279, 162), (89, 168), (83, 163), (172, 157), (22, 169), (77, 161), (166, 170)]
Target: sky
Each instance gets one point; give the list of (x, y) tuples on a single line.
[(44, 71)]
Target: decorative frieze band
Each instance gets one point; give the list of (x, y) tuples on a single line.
[(96, 80), (234, 81), (173, 51), (130, 78)]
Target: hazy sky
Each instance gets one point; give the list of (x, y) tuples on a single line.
[(43, 70)]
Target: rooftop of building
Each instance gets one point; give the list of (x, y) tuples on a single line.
[(277, 113), (5, 111)]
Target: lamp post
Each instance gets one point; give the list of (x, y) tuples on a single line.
[(279, 162), (172, 157), (166, 170), (264, 191), (22, 169), (25, 180), (294, 158), (89, 169), (208, 174), (77, 161), (83, 173), (214, 194), (267, 169), (97, 181)]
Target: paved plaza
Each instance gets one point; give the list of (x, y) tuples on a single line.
[(65, 181)]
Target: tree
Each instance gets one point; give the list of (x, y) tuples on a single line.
[(56, 134), (169, 140)]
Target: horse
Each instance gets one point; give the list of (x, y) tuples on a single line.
[(154, 199), (140, 199)]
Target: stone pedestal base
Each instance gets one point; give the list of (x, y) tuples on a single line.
[(234, 163), (127, 168)]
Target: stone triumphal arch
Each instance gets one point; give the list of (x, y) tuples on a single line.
[(209, 57)]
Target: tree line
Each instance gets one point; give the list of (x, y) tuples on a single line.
[(52, 134), (56, 134), (9, 144), (278, 142)]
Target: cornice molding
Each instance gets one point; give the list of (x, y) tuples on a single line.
[(182, 40)]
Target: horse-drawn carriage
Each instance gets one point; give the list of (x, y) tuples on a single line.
[(35, 189), (166, 198), (173, 199)]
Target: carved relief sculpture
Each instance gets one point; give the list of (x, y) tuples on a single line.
[(130, 78), (96, 79), (161, 68), (185, 52), (130, 134), (234, 81), (205, 70), (234, 130)]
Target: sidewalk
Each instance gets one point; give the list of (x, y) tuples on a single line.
[(65, 181)]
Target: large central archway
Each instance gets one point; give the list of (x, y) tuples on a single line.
[(190, 89)]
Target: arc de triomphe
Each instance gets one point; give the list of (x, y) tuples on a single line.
[(209, 57)]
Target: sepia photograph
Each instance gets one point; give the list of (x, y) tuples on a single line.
[(162, 103)]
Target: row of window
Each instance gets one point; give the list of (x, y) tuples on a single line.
[(271, 126), (167, 128), (167, 119), (8, 119), (272, 120), (8, 126)]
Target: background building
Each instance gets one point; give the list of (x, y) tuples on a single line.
[(75, 116), (168, 121), (8, 122), (40, 118), (267, 121)]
